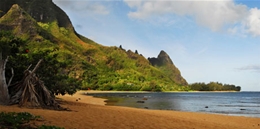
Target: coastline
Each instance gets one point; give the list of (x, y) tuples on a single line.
[(88, 112)]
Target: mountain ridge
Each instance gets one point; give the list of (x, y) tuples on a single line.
[(96, 66)]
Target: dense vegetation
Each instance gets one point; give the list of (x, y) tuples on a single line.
[(51, 68), (72, 61), (21, 120), (214, 86)]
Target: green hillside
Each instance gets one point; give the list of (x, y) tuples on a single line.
[(47, 30)]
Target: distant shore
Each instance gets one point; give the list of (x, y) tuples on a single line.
[(97, 91), (88, 112)]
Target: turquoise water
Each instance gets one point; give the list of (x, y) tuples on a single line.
[(228, 103)]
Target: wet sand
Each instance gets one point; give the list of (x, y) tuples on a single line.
[(91, 113)]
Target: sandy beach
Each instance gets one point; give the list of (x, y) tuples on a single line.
[(91, 113)]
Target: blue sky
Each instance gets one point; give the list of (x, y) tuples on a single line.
[(208, 40)]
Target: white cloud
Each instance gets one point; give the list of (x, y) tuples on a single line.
[(212, 14), (251, 67), (252, 22), (134, 4)]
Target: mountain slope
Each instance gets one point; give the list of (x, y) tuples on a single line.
[(94, 65)]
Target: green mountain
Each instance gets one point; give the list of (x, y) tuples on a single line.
[(44, 26)]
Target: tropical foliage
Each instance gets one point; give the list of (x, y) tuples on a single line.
[(214, 86), (51, 71), (72, 61)]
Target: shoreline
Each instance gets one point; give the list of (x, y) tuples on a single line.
[(112, 102), (90, 113), (97, 91)]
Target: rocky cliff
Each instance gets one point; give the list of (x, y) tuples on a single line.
[(164, 62)]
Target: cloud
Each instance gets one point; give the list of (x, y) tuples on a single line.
[(251, 68), (252, 22), (216, 15), (83, 6), (212, 14)]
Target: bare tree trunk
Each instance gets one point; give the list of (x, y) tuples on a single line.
[(4, 95)]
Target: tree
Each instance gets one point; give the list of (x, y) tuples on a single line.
[(196, 86), (31, 91), (238, 88), (8, 46), (53, 72), (26, 85), (136, 52), (4, 96)]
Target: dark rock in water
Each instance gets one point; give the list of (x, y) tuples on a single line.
[(139, 101), (206, 106), (145, 98), (242, 109)]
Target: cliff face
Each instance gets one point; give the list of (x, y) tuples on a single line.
[(162, 59), (41, 10), (164, 62)]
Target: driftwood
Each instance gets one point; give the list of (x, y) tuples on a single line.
[(31, 92)]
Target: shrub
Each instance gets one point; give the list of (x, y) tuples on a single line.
[(13, 120), (106, 87), (146, 88), (49, 127)]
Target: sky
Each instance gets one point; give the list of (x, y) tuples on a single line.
[(208, 40)]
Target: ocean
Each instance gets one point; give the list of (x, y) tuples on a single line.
[(228, 103)]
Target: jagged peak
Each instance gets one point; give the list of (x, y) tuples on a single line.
[(164, 58), (16, 7), (162, 53), (164, 61), (18, 20), (41, 10), (15, 12)]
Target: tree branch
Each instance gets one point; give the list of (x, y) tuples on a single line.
[(37, 65), (12, 70), (4, 67), (29, 67)]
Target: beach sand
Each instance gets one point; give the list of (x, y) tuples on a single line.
[(91, 113)]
